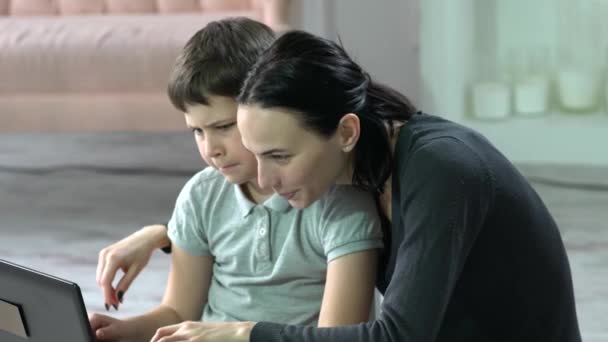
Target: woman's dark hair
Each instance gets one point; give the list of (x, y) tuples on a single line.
[(316, 79)]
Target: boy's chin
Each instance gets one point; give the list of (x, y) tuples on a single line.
[(234, 179)]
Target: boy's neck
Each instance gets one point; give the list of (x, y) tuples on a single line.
[(254, 193)]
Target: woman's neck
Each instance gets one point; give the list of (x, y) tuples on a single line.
[(347, 173), (386, 197), (346, 176)]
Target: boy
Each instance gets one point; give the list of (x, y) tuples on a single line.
[(240, 252)]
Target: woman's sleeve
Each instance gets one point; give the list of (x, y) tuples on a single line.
[(445, 194)]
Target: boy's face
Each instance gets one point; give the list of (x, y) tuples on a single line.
[(219, 141)]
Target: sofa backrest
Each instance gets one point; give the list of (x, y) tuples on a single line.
[(97, 7)]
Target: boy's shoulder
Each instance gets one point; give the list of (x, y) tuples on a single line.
[(209, 179), (208, 175), (347, 197), (342, 208)]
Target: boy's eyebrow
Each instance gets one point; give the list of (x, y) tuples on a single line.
[(212, 124)]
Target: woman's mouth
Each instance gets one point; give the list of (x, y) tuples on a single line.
[(288, 195)]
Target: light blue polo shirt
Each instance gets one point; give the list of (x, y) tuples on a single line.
[(270, 259)]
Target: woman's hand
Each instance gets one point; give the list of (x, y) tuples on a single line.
[(205, 332), (131, 255)]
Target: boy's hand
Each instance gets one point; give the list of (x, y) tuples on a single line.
[(106, 328), (131, 255)]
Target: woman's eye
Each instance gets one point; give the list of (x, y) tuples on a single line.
[(197, 131)]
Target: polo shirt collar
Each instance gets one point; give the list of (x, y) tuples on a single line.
[(245, 206), (277, 203)]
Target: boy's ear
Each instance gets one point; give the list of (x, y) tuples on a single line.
[(349, 129)]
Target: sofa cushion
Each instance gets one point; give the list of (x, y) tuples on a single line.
[(33, 7), (3, 7), (88, 54), (80, 7), (77, 7), (173, 6), (225, 5), (131, 6)]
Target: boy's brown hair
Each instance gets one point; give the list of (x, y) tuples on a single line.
[(216, 59)]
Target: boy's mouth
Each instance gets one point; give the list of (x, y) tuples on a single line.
[(227, 167)]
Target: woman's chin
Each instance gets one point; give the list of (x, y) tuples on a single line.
[(299, 203)]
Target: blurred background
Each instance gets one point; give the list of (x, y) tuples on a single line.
[(91, 149)]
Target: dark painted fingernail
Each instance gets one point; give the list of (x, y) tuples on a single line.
[(115, 306), (120, 294), (107, 307)]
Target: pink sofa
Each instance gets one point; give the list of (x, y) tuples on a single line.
[(101, 65)]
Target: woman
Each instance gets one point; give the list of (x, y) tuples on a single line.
[(473, 253)]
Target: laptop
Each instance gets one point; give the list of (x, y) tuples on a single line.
[(37, 307)]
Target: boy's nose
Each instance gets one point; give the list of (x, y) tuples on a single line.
[(213, 149)]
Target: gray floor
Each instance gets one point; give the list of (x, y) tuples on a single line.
[(62, 198)]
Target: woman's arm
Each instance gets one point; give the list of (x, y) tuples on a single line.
[(445, 192), (347, 299), (349, 289)]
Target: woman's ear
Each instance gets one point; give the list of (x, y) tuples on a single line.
[(349, 129)]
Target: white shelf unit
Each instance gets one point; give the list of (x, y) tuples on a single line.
[(453, 34), (555, 138)]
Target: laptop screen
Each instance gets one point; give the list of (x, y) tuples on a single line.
[(37, 307)]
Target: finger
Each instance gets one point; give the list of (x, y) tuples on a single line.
[(101, 260), (174, 338), (177, 337), (109, 333), (107, 277), (106, 288), (165, 331), (98, 321), (106, 328), (109, 296), (126, 281)]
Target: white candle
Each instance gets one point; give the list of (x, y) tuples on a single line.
[(606, 97), (531, 95), (491, 100), (577, 89)]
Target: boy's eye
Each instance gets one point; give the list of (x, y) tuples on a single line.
[(197, 131), (280, 157), (226, 126)]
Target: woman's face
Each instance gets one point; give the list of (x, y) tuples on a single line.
[(296, 162)]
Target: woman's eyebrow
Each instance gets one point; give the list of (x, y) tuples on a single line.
[(271, 151)]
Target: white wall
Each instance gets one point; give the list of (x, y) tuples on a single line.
[(429, 50), (381, 35)]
